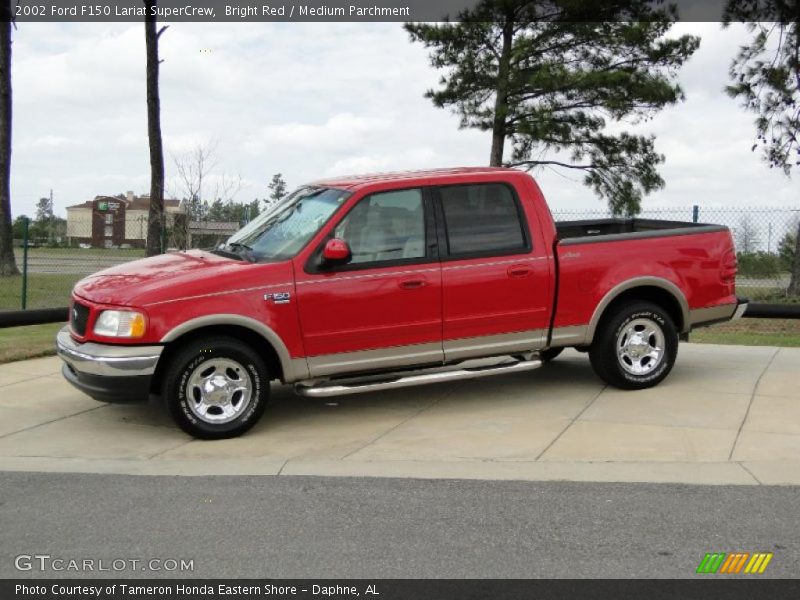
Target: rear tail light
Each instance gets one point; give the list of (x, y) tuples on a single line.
[(729, 267)]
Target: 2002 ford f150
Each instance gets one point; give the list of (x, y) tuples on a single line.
[(382, 281)]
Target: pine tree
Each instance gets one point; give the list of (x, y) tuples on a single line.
[(550, 75), (765, 76), (277, 189)]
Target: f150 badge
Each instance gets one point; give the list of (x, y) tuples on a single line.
[(279, 297)]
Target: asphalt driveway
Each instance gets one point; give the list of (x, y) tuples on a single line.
[(343, 527)]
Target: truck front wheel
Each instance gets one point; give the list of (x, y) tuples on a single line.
[(635, 346), (216, 388)]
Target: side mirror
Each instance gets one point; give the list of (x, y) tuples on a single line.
[(336, 251)]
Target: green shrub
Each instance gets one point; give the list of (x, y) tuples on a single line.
[(759, 264)]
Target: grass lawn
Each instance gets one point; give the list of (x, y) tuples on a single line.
[(751, 332), (45, 290), (62, 267), (19, 343), (131, 253)]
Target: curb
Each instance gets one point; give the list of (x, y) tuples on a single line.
[(697, 473)]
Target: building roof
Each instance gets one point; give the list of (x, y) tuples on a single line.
[(138, 202), (144, 203), (355, 181)]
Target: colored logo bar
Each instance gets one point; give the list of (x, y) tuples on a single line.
[(735, 562)]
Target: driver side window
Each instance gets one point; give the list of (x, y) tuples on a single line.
[(385, 226)]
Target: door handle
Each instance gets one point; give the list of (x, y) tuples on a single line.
[(412, 284), (519, 271)]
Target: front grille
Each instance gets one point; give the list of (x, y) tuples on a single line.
[(79, 318)]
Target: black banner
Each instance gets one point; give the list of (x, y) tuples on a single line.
[(438, 589), (29, 11)]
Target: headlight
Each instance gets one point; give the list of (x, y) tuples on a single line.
[(120, 323)]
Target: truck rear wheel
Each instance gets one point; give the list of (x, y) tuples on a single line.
[(635, 346), (216, 388)]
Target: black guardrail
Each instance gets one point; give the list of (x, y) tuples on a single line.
[(17, 318), (772, 311), (38, 316)]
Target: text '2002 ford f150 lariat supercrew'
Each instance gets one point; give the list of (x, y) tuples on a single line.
[(372, 282)]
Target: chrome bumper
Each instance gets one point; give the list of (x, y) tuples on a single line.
[(106, 360), (739, 312)]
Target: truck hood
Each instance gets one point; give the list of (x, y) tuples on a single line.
[(171, 277)]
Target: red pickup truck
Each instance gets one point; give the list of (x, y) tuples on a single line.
[(381, 281)]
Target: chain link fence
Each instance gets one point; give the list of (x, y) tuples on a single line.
[(54, 255), (764, 237)]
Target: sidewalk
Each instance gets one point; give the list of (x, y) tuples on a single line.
[(726, 415)]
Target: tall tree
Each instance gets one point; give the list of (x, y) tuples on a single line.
[(195, 169), (155, 219), (8, 265), (765, 77), (787, 248), (549, 76), (277, 189), (44, 217), (747, 236), (44, 210)]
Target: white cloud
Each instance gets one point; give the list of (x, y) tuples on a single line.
[(315, 100), (48, 142), (339, 131)]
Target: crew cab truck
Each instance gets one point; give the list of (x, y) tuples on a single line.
[(373, 282)]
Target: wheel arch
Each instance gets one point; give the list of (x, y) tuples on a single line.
[(261, 337), (653, 289)]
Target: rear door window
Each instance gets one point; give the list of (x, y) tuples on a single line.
[(482, 219)]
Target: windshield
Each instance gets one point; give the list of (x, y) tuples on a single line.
[(283, 230)]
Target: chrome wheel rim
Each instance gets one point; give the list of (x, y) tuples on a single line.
[(640, 346), (219, 390)]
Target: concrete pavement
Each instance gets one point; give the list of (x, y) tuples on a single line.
[(726, 415)]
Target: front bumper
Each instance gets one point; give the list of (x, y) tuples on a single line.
[(105, 372)]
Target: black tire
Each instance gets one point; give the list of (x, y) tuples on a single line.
[(613, 332), (550, 354), (229, 362)]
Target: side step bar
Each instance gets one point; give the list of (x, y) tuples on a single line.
[(356, 386)]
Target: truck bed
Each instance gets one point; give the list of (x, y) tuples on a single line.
[(608, 230), (596, 256)]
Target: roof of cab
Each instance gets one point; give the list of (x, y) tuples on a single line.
[(356, 181)]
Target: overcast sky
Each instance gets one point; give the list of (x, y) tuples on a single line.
[(312, 100)]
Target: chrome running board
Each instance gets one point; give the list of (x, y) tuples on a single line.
[(324, 389)]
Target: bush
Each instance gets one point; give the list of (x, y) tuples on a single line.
[(759, 264), (786, 250)]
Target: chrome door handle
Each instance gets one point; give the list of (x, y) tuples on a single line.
[(412, 284), (519, 271)]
